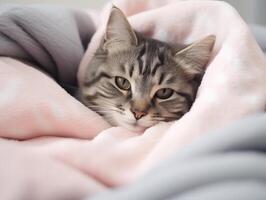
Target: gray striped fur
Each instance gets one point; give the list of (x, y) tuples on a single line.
[(148, 65)]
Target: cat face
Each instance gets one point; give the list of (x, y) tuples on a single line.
[(136, 82)]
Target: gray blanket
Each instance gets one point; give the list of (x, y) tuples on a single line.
[(51, 37), (227, 164)]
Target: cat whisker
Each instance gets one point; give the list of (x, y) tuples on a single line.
[(102, 108), (109, 110)]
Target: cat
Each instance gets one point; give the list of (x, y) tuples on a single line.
[(135, 82)]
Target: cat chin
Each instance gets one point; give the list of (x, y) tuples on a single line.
[(131, 124), (134, 128)]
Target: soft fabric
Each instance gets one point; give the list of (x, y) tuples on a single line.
[(53, 40), (259, 32), (25, 175), (52, 37), (222, 165), (60, 131)]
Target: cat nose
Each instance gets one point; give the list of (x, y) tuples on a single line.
[(138, 114)]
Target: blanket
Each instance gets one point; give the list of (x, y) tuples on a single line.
[(226, 164), (56, 148)]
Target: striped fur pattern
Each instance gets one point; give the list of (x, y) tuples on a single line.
[(136, 82)]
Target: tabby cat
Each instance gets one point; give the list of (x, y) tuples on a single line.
[(135, 82)]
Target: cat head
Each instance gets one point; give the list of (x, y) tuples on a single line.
[(136, 82)]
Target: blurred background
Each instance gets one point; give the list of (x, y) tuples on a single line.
[(253, 11)]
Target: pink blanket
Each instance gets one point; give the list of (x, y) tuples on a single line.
[(57, 146)]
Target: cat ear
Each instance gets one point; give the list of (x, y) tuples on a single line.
[(195, 56), (119, 34)]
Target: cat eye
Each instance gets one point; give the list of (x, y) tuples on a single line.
[(164, 93), (122, 83)]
